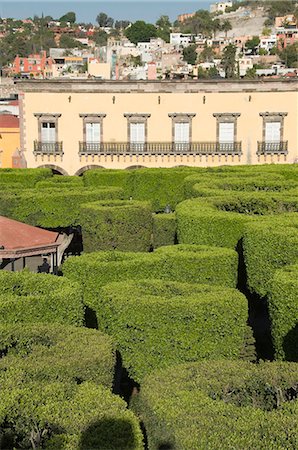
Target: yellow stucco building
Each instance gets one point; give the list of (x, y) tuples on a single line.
[(9, 139), (73, 125)]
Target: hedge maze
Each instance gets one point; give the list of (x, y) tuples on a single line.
[(189, 276)]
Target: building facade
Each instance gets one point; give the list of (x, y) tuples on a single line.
[(9, 139), (73, 125)]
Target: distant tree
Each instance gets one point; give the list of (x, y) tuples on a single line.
[(164, 28), (273, 51), (104, 20), (200, 23), (252, 44), (226, 26), (251, 73), (228, 61), (68, 42), (207, 55), (121, 24), (140, 31), (68, 17), (266, 31), (216, 26), (263, 52), (100, 37), (190, 54), (213, 72), (289, 55), (279, 8)]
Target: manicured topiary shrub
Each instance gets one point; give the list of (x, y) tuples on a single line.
[(193, 264), (283, 311), (51, 208), (161, 187), (57, 353), (269, 245), (119, 225), (25, 177), (160, 323), (28, 297), (221, 220), (221, 405), (106, 178), (65, 416), (60, 182), (164, 229), (199, 222)]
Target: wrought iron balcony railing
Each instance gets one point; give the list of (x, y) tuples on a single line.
[(48, 148), (160, 148), (272, 148)]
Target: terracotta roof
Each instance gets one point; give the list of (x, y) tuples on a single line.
[(9, 121), (14, 102), (16, 236)]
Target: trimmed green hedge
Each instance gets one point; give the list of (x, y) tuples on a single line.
[(116, 225), (57, 353), (61, 182), (283, 311), (160, 323), (164, 229), (25, 177), (28, 297), (51, 208), (216, 184), (159, 186), (107, 177), (221, 220), (193, 264), (269, 245), (65, 416), (220, 405)]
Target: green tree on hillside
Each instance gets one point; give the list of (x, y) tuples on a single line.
[(104, 20), (163, 25), (228, 61), (140, 31), (189, 54), (68, 17), (252, 44), (289, 55), (226, 26)]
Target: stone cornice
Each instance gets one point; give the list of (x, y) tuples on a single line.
[(218, 115), (47, 115), (158, 87), (176, 114), (137, 115), (273, 114), (84, 115)]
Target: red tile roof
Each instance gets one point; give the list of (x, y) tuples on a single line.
[(13, 102), (9, 121), (17, 235)]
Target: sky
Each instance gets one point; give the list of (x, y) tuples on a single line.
[(86, 11)]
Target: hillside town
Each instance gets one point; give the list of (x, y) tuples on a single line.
[(149, 225), (233, 40)]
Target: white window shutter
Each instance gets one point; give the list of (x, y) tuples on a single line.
[(272, 132), (93, 132), (137, 133), (52, 133), (226, 132), (48, 132), (181, 132)]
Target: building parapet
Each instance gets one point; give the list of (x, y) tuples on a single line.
[(146, 86)]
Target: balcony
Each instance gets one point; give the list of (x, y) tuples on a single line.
[(48, 148), (272, 148), (160, 148)]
